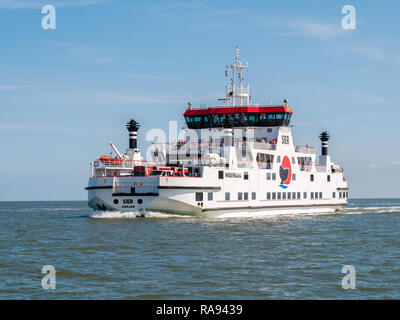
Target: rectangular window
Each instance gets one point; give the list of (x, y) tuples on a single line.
[(284, 195), (199, 196), (328, 178), (227, 196), (253, 196), (311, 177), (289, 195), (246, 196), (220, 174), (294, 177), (340, 194), (293, 195), (333, 195), (312, 195), (316, 195), (279, 195), (273, 195), (320, 195), (246, 176), (240, 196), (268, 175), (210, 196), (278, 159), (304, 195), (273, 176), (268, 195), (298, 195)]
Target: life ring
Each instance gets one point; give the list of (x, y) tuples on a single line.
[(96, 163)]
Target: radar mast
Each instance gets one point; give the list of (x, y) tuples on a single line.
[(236, 93)]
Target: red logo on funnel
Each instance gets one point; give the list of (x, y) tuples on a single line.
[(285, 172)]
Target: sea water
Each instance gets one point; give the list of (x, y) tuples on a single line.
[(113, 255)]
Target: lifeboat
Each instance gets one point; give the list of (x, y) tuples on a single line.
[(107, 161)]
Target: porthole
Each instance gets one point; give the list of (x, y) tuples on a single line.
[(116, 201), (140, 201)]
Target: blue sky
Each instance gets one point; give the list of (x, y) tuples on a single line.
[(66, 93)]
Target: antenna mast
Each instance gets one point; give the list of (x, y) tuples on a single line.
[(237, 92)]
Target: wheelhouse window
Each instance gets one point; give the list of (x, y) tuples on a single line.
[(240, 119)]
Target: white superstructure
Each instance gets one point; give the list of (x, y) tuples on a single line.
[(238, 158)]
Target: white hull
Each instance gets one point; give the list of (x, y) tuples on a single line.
[(104, 200)]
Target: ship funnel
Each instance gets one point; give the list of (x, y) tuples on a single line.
[(133, 128), (324, 137)]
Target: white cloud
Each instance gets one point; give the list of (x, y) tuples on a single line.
[(128, 98), (393, 164), (37, 127), (36, 4), (78, 49), (311, 29), (13, 87), (371, 52)]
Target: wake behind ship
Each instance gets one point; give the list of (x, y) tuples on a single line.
[(238, 158)]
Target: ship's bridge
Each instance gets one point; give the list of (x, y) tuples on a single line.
[(242, 116), (238, 106)]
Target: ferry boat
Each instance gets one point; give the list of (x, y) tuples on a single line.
[(235, 159)]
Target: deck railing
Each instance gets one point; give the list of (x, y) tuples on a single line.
[(305, 149)]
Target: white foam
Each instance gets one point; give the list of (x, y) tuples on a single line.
[(132, 215), (271, 214)]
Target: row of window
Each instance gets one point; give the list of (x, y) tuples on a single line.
[(272, 195), (285, 195), (272, 176), (238, 120), (328, 178)]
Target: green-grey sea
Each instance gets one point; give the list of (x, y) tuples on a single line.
[(118, 256)]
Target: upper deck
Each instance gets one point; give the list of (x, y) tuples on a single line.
[(242, 116)]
